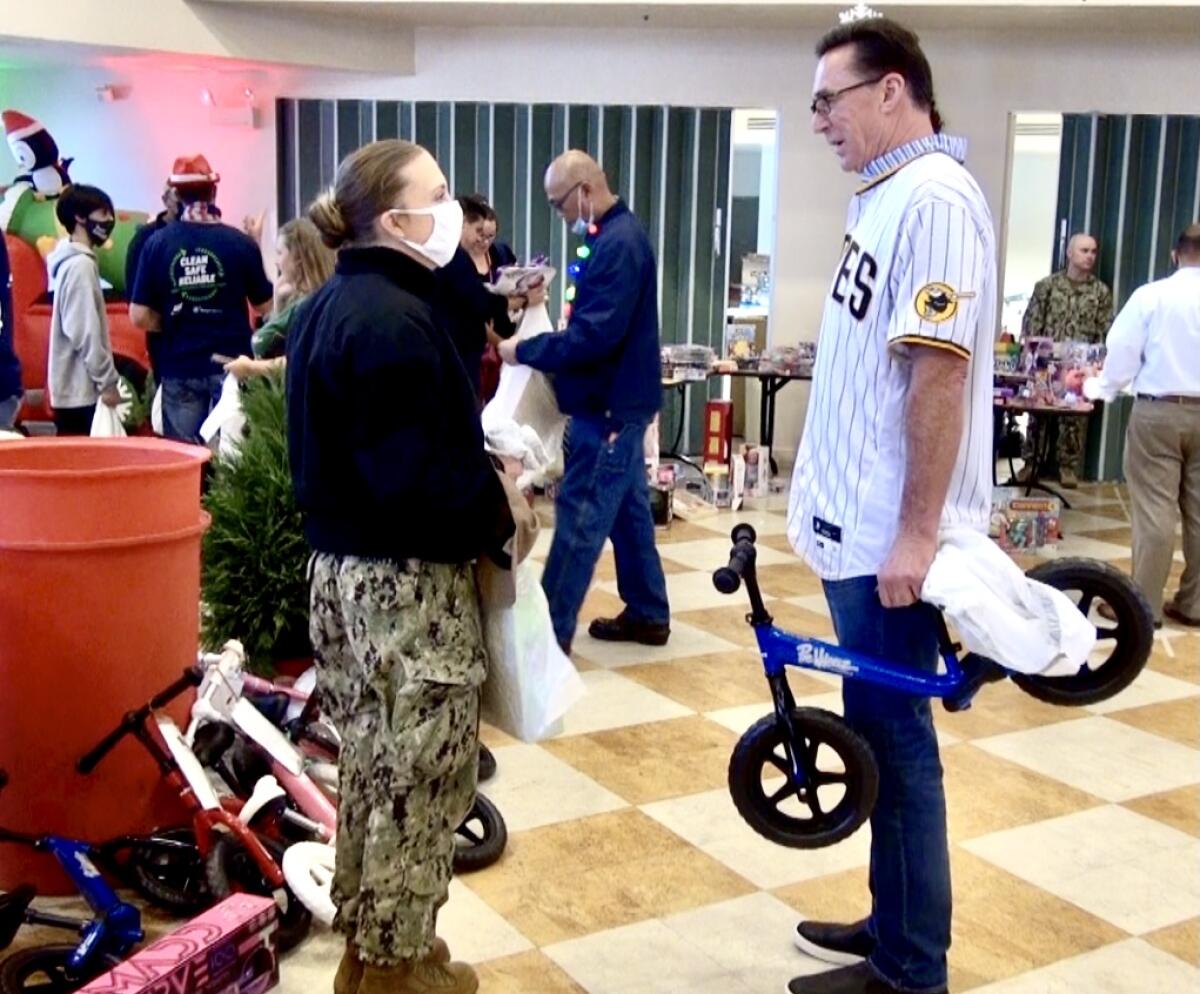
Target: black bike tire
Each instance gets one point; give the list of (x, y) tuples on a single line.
[(470, 858), (294, 923), (745, 779), (168, 896), (487, 763), (17, 968), (1129, 656)]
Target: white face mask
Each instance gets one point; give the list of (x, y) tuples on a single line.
[(443, 241)]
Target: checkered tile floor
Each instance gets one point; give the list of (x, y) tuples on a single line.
[(1075, 833)]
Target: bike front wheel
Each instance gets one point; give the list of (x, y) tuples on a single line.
[(841, 779), (231, 869), (47, 970)]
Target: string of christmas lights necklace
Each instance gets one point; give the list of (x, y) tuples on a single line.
[(575, 270)]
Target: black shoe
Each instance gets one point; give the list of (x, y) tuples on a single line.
[(623, 628), (857, 979), (842, 945), (977, 670), (1177, 616), (487, 763)]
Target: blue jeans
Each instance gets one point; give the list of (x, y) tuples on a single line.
[(8, 411), (186, 403), (603, 494), (910, 862)]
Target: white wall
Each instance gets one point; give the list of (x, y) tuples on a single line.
[(1033, 200), (981, 78), (127, 147)]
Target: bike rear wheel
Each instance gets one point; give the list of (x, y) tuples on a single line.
[(480, 840), (174, 877), (1123, 646)]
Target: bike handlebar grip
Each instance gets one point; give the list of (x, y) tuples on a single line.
[(191, 678), (728, 578), (743, 533)]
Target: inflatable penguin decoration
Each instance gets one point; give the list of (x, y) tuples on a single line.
[(36, 155)]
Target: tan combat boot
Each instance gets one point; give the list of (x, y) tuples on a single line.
[(1068, 478), (350, 969), (420, 977), (349, 972)]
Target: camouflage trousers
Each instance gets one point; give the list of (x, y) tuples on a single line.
[(400, 661), (1072, 433)]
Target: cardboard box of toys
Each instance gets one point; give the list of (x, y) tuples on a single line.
[(229, 949), (1020, 523)]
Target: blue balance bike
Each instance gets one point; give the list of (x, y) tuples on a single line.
[(802, 777), (104, 940)]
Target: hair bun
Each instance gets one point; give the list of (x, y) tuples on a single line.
[(327, 215)]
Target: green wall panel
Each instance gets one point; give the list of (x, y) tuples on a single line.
[(671, 165)]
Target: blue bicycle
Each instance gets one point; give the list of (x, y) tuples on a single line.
[(802, 777), (104, 940)]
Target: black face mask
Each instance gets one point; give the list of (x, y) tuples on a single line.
[(99, 231)]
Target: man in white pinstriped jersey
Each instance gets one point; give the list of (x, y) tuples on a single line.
[(896, 444)]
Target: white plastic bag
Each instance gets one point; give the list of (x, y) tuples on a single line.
[(507, 438), (156, 421), (226, 418), (106, 422), (525, 396), (1000, 613), (531, 683)]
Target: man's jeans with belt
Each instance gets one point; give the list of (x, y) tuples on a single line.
[(603, 494)]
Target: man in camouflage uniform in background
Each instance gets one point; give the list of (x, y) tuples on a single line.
[(400, 654), (1070, 305)]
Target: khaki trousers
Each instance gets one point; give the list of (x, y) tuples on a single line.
[(1162, 467)]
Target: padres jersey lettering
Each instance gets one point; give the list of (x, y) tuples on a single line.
[(917, 270), (863, 286)]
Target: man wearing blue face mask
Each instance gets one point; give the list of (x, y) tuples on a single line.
[(607, 377)]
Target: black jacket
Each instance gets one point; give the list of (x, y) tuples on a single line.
[(385, 445), (465, 306)]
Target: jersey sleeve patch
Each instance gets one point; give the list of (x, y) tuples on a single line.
[(938, 302)]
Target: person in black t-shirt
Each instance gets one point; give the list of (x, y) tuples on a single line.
[(193, 283)]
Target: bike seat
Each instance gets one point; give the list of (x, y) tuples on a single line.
[(212, 740), (12, 912)]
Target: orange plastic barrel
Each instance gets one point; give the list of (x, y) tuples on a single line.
[(99, 609)]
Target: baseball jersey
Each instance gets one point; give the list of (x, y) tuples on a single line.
[(917, 270)]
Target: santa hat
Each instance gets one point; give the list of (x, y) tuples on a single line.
[(191, 170), (18, 125)]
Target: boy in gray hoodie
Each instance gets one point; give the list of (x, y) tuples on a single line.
[(81, 366)]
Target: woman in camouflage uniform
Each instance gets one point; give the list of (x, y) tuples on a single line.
[(399, 499)]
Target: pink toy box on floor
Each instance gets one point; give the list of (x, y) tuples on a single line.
[(230, 949)]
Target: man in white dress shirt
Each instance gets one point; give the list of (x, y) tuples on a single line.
[(1154, 344)]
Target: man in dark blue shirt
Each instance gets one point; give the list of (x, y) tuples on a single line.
[(607, 377), (194, 281)]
